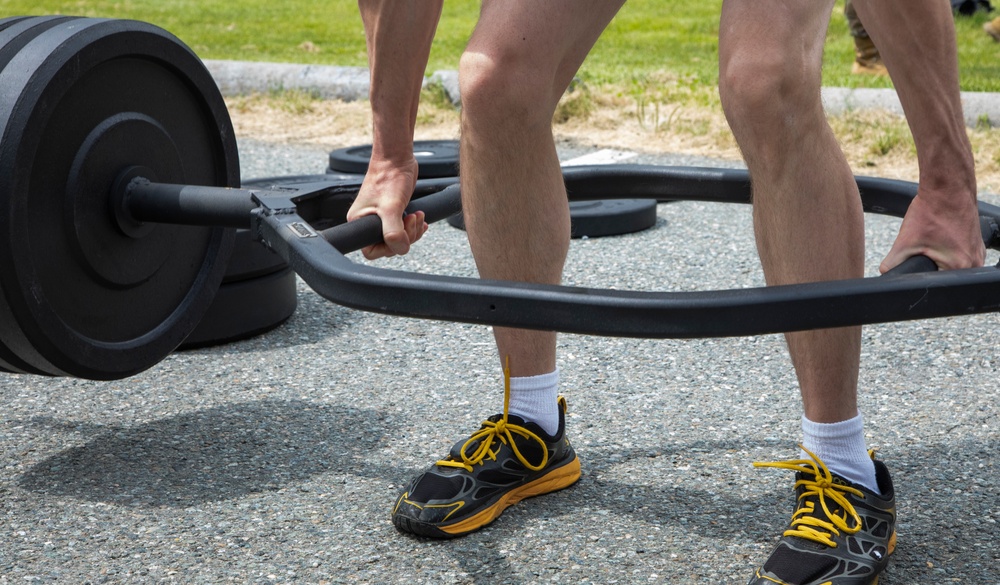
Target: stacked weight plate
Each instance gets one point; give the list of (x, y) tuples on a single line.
[(84, 290), (11, 42), (258, 294)]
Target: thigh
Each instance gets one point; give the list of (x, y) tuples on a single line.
[(549, 36)]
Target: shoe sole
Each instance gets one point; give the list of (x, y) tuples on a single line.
[(858, 69), (559, 478)]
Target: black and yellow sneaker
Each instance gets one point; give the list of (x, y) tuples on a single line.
[(504, 462), (840, 534)]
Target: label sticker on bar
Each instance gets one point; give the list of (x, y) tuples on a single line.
[(302, 230)]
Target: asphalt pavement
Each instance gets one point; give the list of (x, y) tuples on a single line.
[(277, 459)]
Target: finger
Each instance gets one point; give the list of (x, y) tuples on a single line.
[(894, 258), (376, 251), (888, 263), (394, 234), (415, 226)]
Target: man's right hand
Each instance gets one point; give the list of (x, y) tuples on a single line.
[(386, 192)]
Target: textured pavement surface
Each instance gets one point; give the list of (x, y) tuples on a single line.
[(276, 459)]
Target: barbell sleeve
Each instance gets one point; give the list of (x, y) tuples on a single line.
[(188, 204)]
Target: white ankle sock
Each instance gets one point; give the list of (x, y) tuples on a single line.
[(841, 446), (535, 399)]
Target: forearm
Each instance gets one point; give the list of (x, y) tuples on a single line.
[(399, 35), (916, 39)]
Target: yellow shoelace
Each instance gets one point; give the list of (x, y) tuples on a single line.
[(806, 523), (502, 431)]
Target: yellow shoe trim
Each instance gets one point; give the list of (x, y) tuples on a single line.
[(557, 479)]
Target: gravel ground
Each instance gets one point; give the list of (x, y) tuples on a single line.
[(276, 459)]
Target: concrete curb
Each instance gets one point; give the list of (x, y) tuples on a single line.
[(242, 77), (979, 107), (351, 83)]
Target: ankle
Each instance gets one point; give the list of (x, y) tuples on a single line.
[(841, 447), (535, 399)]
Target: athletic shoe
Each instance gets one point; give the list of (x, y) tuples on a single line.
[(867, 60), (841, 533), (992, 28), (504, 462)]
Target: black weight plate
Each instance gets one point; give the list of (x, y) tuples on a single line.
[(330, 176), (251, 259), (83, 101), (10, 362), (6, 22), (246, 308), (594, 219), (15, 32), (436, 158)]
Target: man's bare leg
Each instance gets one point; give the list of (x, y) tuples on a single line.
[(808, 221), (519, 62), (807, 211)]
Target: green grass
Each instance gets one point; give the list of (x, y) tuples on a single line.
[(647, 39)]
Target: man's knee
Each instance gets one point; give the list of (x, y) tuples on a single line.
[(768, 88), (504, 86)]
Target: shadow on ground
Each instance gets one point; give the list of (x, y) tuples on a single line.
[(209, 455)]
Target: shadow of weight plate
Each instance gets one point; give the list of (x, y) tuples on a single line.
[(87, 291)]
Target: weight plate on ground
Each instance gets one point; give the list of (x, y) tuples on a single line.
[(250, 259), (246, 308), (436, 158), (257, 294), (594, 219), (84, 101)]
